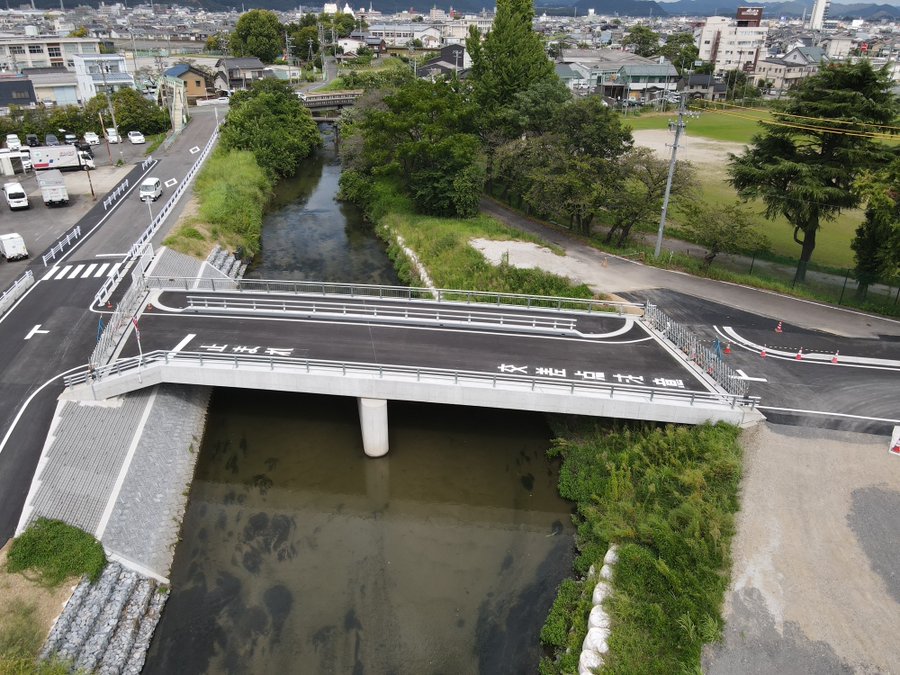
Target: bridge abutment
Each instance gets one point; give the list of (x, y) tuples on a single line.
[(373, 423)]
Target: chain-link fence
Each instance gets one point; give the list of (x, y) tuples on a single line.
[(685, 339)]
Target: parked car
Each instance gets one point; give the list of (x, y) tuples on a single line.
[(70, 139), (136, 137), (13, 142), (32, 141), (91, 138), (25, 155), (50, 140), (112, 135), (151, 190), (15, 196)]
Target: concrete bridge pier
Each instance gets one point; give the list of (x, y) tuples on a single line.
[(373, 422)]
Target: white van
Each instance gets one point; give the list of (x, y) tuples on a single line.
[(15, 196), (151, 190), (12, 247)]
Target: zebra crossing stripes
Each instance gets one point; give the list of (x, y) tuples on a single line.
[(82, 271)]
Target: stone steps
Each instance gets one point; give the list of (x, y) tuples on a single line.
[(106, 627)]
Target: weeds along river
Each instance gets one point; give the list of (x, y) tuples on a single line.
[(301, 555)]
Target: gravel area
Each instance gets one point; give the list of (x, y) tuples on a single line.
[(812, 589)]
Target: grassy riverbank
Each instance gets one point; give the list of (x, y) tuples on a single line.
[(666, 495), (232, 192)]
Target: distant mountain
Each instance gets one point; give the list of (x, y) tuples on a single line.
[(604, 7), (869, 11)]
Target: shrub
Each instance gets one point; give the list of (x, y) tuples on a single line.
[(56, 551)]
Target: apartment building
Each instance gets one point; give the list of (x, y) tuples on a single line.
[(43, 51), (733, 44), (96, 73)]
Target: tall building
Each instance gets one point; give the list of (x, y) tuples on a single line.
[(819, 14), (733, 44)]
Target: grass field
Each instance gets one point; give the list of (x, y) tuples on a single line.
[(833, 239)]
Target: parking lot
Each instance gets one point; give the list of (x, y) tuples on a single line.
[(41, 226)]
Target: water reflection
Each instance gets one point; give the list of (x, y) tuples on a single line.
[(301, 555)]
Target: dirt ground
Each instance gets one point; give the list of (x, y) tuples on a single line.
[(702, 152), (15, 588), (815, 582)]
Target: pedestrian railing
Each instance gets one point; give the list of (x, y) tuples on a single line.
[(60, 246), (408, 312), (389, 293), (139, 365), (14, 292), (117, 323), (692, 347), (116, 193)]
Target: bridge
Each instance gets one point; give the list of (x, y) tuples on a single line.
[(333, 100), (382, 343)]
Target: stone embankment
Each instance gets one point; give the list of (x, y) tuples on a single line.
[(106, 627)]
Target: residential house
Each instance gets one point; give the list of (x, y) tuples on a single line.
[(644, 82), (232, 74), (54, 86), (703, 86), (96, 73), (572, 76), (403, 34), (16, 90), (797, 65), (197, 83)]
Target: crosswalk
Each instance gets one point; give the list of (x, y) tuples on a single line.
[(81, 271)]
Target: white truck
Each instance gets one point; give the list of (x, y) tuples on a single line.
[(12, 246), (60, 157), (53, 187)]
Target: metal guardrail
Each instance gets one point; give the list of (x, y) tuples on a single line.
[(513, 382), (390, 292), (409, 312), (113, 196), (58, 247), (118, 323), (685, 339), (14, 292)]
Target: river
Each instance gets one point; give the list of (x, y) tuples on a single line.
[(301, 555)]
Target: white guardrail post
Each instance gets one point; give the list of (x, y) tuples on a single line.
[(59, 246), (14, 292)]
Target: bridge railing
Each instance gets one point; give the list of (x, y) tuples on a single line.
[(431, 313), (300, 366), (687, 341), (389, 293)]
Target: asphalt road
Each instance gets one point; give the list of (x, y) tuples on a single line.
[(51, 329)]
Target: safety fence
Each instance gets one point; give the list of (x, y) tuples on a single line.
[(416, 313), (373, 371), (688, 342), (389, 293), (14, 292), (59, 246), (118, 322), (116, 193)]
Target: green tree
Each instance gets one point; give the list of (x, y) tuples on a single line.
[(680, 50), (215, 43), (510, 60), (269, 120), (258, 33), (644, 39), (722, 228), (302, 36), (637, 199), (136, 113), (804, 163), (80, 32), (876, 244)]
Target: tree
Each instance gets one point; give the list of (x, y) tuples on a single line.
[(804, 163), (510, 60), (644, 39), (269, 120), (136, 113), (258, 33), (215, 43), (728, 228), (638, 199), (305, 40), (80, 32), (876, 244), (680, 50)]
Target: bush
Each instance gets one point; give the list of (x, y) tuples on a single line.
[(56, 551)]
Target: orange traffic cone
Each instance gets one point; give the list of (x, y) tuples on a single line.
[(727, 347), (763, 352), (834, 359), (108, 305), (149, 307), (799, 356), (778, 327)]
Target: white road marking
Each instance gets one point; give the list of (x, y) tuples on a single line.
[(194, 150), (170, 182), (64, 272), (111, 255), (49, 275), (76, 271), (36, 331), (113, 269), (181, 345), (87, 272), (100, 270), (741, 375), (831, 414)]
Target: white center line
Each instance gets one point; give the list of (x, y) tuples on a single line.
[(181, 345)]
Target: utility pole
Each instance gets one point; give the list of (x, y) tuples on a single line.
[(287, 49), (679, 127), (109, 101)]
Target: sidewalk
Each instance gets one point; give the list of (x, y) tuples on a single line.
[(608, 273)]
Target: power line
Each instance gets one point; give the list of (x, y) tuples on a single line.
[(806, 117), (804, 127)]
